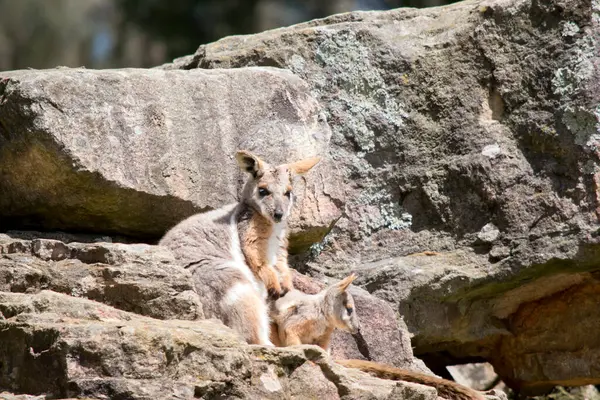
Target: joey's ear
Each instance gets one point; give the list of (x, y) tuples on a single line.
[(249, 163), (342, 285), (303, 166)]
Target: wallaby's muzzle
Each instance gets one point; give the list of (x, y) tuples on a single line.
[(277, 216)]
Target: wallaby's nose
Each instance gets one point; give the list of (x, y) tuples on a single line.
[(277, 216)]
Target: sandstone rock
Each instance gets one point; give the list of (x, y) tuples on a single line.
[(10, 396), (66, 237), (444, 121), (58, 345), (588, 392), (138, 278), (132, 152), (532, 328), (147, 280)]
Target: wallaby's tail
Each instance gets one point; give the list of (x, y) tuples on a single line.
[(446, 389)]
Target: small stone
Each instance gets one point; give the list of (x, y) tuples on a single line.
[(48, 249), (491, 151), (489, 233), (498, 253)]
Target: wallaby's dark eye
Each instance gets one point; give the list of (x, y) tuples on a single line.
[(349, 310), (288, 193), (263, 192)]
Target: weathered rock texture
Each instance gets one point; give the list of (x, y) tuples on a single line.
[(63, 346), (480, 376), (132, 152), (472, 131), (138, 278)]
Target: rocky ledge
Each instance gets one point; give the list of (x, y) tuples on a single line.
[(104, 320)]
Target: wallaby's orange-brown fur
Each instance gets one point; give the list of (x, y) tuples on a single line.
[(255, 245), (303, 166), (446, 389), (282, 266), (255, 242), (263, 237), (310, 331), (300, 318)]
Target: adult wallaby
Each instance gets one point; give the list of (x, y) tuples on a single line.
[(238, 253)]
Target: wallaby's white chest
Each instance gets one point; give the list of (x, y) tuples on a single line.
[(274, 243)]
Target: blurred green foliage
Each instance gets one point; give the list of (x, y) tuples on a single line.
[(185, 24)]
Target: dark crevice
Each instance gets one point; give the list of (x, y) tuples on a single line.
[(17, 230), (4, 131), (333, 378)]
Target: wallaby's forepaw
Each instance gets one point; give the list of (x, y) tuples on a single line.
[(273, 287), (274, 293), (271, 281), (286, 285)]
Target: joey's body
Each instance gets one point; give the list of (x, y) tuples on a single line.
[(301, 321), (300, 318), (238, 253)]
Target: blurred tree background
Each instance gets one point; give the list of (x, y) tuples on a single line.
[(144, 33)]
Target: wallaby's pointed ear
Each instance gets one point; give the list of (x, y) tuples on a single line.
[(303, 166), (342, 285), (249, 163)]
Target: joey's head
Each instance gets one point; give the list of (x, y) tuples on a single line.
[(339, 306), (269, 190)]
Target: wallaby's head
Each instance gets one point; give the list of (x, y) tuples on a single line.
[(339, 306), (269, 190)]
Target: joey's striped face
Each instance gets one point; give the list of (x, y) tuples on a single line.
[(341, 306), (269, 190), (344, 313)]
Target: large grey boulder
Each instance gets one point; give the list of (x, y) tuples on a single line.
[(132, 152), (470, 131)]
